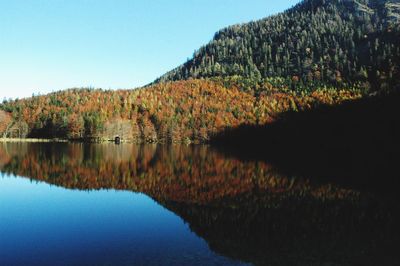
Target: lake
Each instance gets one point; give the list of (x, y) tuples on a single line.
[(107, 204)]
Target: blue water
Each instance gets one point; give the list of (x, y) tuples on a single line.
[(199, 207), (41, 224)]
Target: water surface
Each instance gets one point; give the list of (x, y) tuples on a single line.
[(106, 204)]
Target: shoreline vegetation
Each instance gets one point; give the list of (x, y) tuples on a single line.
[(32, 140), (149, 125), (188, 111), (57, 140), (88, 140)]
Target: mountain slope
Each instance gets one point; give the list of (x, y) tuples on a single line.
[(175, 111), (254, 73), (337, 42)]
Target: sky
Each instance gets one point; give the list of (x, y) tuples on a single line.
[(50, 45)]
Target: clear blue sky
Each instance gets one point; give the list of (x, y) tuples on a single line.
[(48, 45)]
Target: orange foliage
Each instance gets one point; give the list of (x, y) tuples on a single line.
[(175, 111), (190, 174)]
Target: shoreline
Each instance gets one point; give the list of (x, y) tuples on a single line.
[(31, 140), (55, 140)]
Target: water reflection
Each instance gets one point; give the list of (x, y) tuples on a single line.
[(244, 210)]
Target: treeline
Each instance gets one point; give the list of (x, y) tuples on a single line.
[(182, 111), (317, 42)]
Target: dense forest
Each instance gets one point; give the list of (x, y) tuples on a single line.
[(317, 42), (316, 53), (181, 111)]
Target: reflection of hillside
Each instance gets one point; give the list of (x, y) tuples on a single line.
[(298, 232), (175, 173), (7, 152), (244, 210)]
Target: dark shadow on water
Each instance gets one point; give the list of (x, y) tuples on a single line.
[(356, 144), (295, 232)]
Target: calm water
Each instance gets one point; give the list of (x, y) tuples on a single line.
[(106, 204)]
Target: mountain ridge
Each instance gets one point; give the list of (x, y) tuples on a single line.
[(316, 42)]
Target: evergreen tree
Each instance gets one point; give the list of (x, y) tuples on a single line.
[(313, 40)]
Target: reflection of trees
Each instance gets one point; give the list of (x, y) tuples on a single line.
[(244, 210), (174, 173), (298, 232)]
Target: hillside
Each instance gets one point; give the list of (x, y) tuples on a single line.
[(317, 42), (182, 111), (318, 52)]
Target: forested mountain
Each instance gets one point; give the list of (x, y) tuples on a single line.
[(317, 42), (178, 111), (318, 52)]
